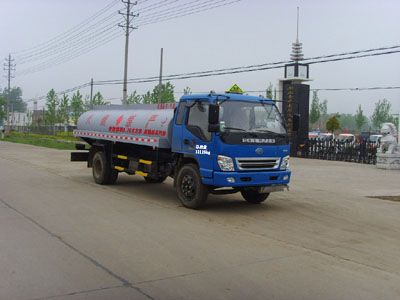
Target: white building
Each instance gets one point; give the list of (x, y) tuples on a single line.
[(19, 119)]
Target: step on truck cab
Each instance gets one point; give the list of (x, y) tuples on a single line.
[(208, 143)]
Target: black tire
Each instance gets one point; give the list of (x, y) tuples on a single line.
[(101, 169), (254, 197), (151, 179), (113, 177), (190, 190)]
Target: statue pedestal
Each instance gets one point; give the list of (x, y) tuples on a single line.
[(388, 161)]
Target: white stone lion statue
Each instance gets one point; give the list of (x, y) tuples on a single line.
[(388, 140)]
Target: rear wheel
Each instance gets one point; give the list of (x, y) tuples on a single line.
[(101, 169), (254, 197), (190, 190)]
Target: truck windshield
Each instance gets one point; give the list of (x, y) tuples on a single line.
[(251, 117)]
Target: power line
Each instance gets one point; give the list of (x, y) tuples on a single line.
[(76, 39), (67, 33), (73, 38), (68, 57), (78, 29), (176, 8), (58, 47), (272, 66), (156, 5), (259, 67), (76, 49), (351, 89), (70, 90), (187, 13), (81, 47)]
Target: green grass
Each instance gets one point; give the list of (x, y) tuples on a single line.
[(66, 142)]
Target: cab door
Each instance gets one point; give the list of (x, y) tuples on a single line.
[(197, 142), (178, 124)]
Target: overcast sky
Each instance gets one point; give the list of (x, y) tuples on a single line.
[(244, 33)]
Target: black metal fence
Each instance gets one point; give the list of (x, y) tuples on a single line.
[(359, 152)]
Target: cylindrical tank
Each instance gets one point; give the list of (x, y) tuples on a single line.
[(142, 124)]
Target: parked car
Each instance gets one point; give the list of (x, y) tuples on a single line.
[(375, 138), (313, 134), (326, 136), (346, 137)]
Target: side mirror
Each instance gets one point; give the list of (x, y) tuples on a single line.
[(213, 118), (296, 122), (213, 114)]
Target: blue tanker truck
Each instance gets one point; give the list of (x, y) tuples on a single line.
[(208, 143)]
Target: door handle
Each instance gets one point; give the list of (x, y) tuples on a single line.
[(190, 143)]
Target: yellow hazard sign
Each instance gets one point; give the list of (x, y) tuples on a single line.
[(235, 89)]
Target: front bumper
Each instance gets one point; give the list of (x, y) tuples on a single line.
[(244, 179)]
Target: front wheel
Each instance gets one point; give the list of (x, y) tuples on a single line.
[(190, 190), (254, 197)]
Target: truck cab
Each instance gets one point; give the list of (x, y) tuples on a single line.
[(236, 143)]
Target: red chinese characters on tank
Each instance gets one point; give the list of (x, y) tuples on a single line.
[(89, 119), (103, 120), (138, 131)]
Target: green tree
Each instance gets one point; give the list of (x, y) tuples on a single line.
[(323, 107), (51, 108), (147, 98), (360, 118), (381, 113), (16, 102), (3, 109), (187, 91), (347, 121), (395, 121), (315, 112), (333, 124), (77, 106), (96, 100), (163, 93), (63, 110), (3, 112), (269, 91), (134, 98)]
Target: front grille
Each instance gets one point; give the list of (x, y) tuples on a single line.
[(257, 163)]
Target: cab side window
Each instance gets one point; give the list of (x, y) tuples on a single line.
[(198, 121), (181, 113)]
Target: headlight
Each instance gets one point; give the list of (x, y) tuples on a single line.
[(225, 163), (285, 163)]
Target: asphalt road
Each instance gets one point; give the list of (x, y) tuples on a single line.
[(64, 237)]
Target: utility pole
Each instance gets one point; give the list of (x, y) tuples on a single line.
[(9, 67), (128, 16), (160, 79), (91, 90)]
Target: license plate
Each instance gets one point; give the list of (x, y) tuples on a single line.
[(272, 188)]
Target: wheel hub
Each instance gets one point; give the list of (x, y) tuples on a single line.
[(97, 168), (188, 187)]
